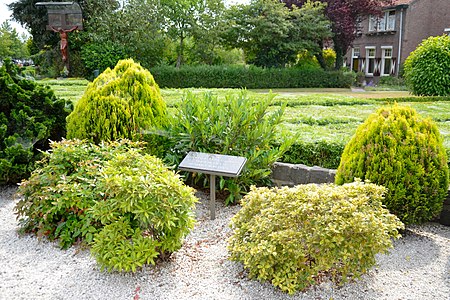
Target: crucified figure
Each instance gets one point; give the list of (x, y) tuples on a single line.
[(64, 40)]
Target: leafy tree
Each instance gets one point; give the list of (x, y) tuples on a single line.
[(45, 43), (34, 19), (344, 16), (271, 35), (189, 18), (10, 43), (206, 33)]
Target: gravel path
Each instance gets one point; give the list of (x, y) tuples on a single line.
[(417, 268)]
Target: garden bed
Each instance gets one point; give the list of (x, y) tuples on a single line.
[(417, 268)]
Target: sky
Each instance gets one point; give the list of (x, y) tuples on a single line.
[(5, 14)]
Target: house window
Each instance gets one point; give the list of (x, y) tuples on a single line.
[(373, 23), (370, 61), (390, 17), (386, 22), (386, 61), (359, 26), (356, 53)]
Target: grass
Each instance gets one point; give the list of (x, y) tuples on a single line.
[(330, 115), (70, 89)]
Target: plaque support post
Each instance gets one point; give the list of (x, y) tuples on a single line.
[(212, 196)]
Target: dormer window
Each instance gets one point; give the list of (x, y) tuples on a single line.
[(384, 23)]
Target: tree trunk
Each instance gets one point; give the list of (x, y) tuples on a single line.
[(180, 52), (320, 58), (339, 56)]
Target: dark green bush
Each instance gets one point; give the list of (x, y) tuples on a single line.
[(30, 114), (248, 77), (426, 70), (127, 205), (400, 150), (319, 153), (413, 99), (118, 104), (236, 126), (293, 237), (391, 81), (100, 56)]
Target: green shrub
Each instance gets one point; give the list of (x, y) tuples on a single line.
[(391, 81), (100, 56), (292, 237), (127, 205), (248, 77), (398, 149), (30, 114), (118, 104), (236, 126), (426, 70), (318, 153)]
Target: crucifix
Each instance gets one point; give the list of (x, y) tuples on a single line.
[(63, 17)]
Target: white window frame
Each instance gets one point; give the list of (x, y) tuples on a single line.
[(355, 54), (368, 48), (390, 20), (373, 23), (384, 23), (383, 59)]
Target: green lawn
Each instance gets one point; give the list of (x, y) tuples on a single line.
[(315, 114)]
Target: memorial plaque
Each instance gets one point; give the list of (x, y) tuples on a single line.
[(213, 164), (216, 164)]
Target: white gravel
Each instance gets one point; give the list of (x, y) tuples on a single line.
[(417, 268)]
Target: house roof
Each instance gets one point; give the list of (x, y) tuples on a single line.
[(399, 2)]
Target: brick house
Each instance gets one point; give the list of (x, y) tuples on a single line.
[(384, 42)]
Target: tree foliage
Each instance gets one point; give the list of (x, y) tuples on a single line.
[(272, 35), (11, 44), (344, 16)]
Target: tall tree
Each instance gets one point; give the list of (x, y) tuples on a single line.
[(183, 17), (206, 32), (35, 18), (271, 35), (344, 16), (11, 45)]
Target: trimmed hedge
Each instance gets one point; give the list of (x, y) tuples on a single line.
[(319, 153), (248, 77), (413, 99)]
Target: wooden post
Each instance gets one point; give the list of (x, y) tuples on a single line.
[(212, 197)]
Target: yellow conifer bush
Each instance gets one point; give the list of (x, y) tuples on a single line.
[(397, 148), (118, 104)]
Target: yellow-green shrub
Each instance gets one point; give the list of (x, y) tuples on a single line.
[(290, 236), (118, 104), (125, 204), (397, 148)]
